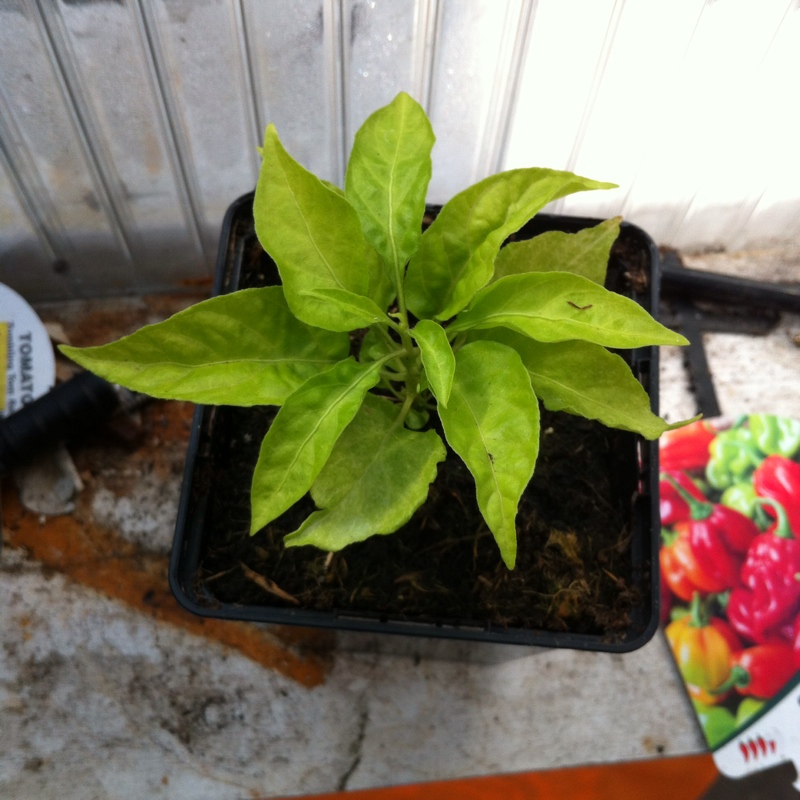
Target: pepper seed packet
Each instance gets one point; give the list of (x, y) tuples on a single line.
[(730, 583)]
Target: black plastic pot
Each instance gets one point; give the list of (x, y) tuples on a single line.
[(633, 270)]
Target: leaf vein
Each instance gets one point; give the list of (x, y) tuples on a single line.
[(311, 238), (348, 390), (486, 450)]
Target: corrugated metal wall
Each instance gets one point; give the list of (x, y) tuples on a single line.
[(128, 126)]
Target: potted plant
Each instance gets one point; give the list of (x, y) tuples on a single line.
[(379, 367)]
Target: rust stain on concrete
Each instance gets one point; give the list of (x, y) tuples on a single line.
[(107, 563), (121, 459), (132, 453)]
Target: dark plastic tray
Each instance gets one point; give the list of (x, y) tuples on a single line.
[(198, 597)]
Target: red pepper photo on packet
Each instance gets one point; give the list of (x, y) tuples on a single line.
[(730, 571)]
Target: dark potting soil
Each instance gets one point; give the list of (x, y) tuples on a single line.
[(573, 565), (573, 569)]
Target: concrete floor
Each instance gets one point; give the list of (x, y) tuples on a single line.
[(109, 690)]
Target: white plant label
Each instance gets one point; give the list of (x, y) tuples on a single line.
[(773, 737), (27, 362)]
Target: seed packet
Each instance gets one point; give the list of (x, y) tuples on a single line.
[(730, 583)]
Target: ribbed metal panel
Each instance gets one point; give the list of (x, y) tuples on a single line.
[(128, 126)]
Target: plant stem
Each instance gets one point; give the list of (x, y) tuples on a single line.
[(409, 356), (395, 325), (398, 393), (457, 341), (401, 295), (384, 334), (401, 417), (393, 375), (389, 356)]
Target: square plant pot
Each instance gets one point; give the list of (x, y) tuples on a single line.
[(586, 575)]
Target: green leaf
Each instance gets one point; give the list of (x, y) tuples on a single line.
[(417, 418), (349, 311), (492, 422), (456, 254), (437, 358), (387, 179), (303, 434), (380, 288), (377, 476), (375, 346), (584, 379), (327, 184), (556, 306), (312, 232), (584, 253), (241, 349)]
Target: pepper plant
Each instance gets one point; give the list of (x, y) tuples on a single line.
[(449, 322)]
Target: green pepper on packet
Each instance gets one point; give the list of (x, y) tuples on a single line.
[(717, 722), (748, 708), (775, 435), (742, 497), (734, 457)]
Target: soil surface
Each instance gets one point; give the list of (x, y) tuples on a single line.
[(573, 567), (574, 570)]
